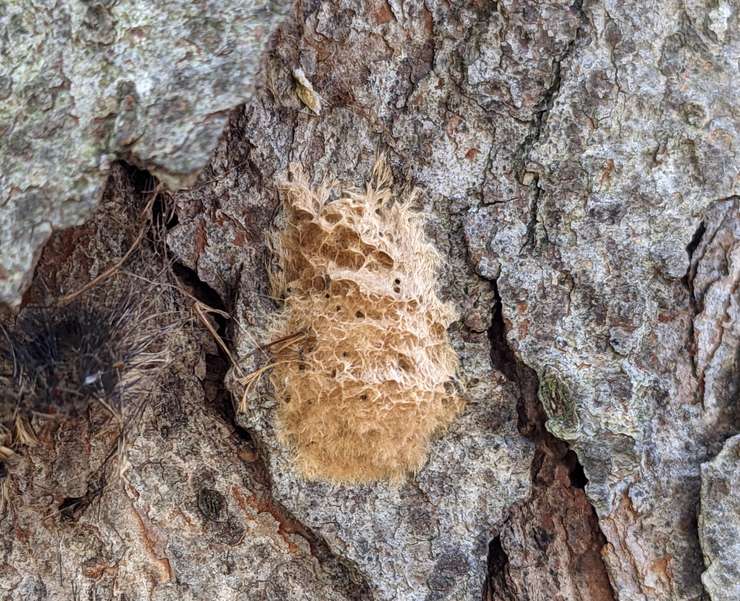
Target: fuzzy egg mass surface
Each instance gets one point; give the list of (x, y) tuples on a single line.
[(366, 384)]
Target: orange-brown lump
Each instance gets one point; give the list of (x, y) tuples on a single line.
[(360, 381)]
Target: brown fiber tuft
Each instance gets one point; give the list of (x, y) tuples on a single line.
[(362, 390)]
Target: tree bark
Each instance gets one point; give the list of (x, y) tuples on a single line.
[(577, 169)]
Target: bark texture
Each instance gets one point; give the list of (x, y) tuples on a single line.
[(719, 522), (578, 170), (85, 83)]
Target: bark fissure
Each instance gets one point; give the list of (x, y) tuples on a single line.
[(537, 126), (346, 577), (694, 306), (557, 526)]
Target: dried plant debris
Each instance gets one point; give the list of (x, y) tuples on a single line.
[(364, 386), (305, 92), (58, 360)]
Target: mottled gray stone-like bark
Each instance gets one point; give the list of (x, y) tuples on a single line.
[(619, 277), (85, 83), (719, 522)]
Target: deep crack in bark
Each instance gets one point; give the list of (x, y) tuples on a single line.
[(346, 577), (688, 281), (540, 530), (537, 125)]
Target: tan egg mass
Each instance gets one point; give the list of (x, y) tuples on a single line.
[(361, 379)]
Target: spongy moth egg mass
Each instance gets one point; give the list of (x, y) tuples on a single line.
[(366, 381)]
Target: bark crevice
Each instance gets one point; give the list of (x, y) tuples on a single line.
[(345, 576), (556, 527)]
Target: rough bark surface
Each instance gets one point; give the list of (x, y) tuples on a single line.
[(85, 83), (578, 170), (549, 547), (188, 514), (719, 522)]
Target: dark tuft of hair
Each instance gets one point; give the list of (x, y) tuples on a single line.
[(60, 359)]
